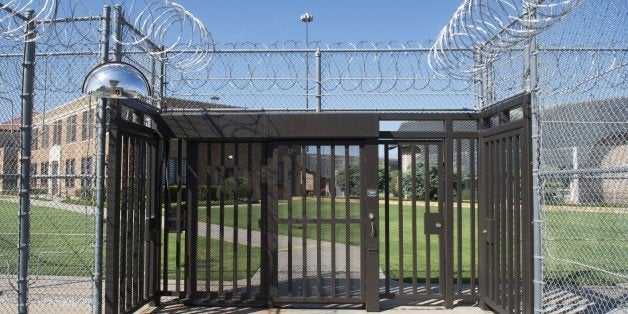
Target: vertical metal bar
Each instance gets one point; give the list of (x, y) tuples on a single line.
[(124, 220), (317, 191), (428, 253), (130, 222), (387, 218), (28, 81), (177, 266), (532, 79), (414, 217), (144, 198), (318, 79), (137, 223), (273, 223), (531, 259), (497, 222), (221, 222), (167, 210), (459, 190), (117, 33), (332, 180), (290, 173), (370, 216), (105, 30), (492, 168), (482, 228), (504, 222), (266, 258), (249, 217), (208, 218), (400, 214), (509, 225), (304, 216), (191, 217), (441, 208), (472, 166), (347, 225), (448, 215), (517, 223), (236, 190), (113, 215)]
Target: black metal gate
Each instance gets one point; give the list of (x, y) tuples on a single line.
[(269, 208), (133, 211), (316, 223), (506, 224)]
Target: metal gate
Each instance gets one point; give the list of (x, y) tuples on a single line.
[(429, 211), (506, 238), (268, 208), (133, 211), (316, 223)]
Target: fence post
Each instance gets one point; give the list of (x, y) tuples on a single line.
[(531, 85), (28, 80), (100, 168), (117, 33), (317, 79)]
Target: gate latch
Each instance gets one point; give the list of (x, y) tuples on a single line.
[(372, 219), (433, 223)]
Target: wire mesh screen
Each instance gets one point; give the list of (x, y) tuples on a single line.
[(584, 154)]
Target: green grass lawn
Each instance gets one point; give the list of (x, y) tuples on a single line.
[(596, 239), (61, 241), (214, 259)]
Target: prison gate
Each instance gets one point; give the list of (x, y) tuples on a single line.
[(273, 209)]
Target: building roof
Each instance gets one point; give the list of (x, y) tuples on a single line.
[(14, 125)]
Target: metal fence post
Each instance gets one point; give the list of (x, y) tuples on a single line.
[(100, 168), (28, 81), (317, 79), (531, 85), (117, 33)]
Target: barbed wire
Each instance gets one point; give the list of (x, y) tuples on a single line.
[(481, 30)]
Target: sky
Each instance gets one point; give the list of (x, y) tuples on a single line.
[(334, 20)]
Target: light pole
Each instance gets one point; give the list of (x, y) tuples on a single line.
[(307, 18)]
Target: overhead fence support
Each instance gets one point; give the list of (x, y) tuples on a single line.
[(28, 81)]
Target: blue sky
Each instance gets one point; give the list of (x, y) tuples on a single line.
[(334, 20)]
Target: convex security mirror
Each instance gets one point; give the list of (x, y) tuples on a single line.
[(116, 80)]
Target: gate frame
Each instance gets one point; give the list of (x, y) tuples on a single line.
[(501, 112), (117, 128)]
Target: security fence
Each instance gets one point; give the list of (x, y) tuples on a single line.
[(575, 67)]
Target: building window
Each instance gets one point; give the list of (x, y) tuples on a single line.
[(33, 175), (86, 122), (44, 174), (70, 134), (69, 172), (44, 136), (86, 172), (35, 139), (56, 133)]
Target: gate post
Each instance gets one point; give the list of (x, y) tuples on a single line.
[(192, 220), (369, 195)]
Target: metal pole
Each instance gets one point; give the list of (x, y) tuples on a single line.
[(28, 81), (100, 168), (317, 79), (307, 67), (532, 88), (162, 79), (117, 33)]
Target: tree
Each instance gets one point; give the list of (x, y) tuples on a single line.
[(354, 180)]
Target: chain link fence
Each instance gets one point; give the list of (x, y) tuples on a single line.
[(583, 157)]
